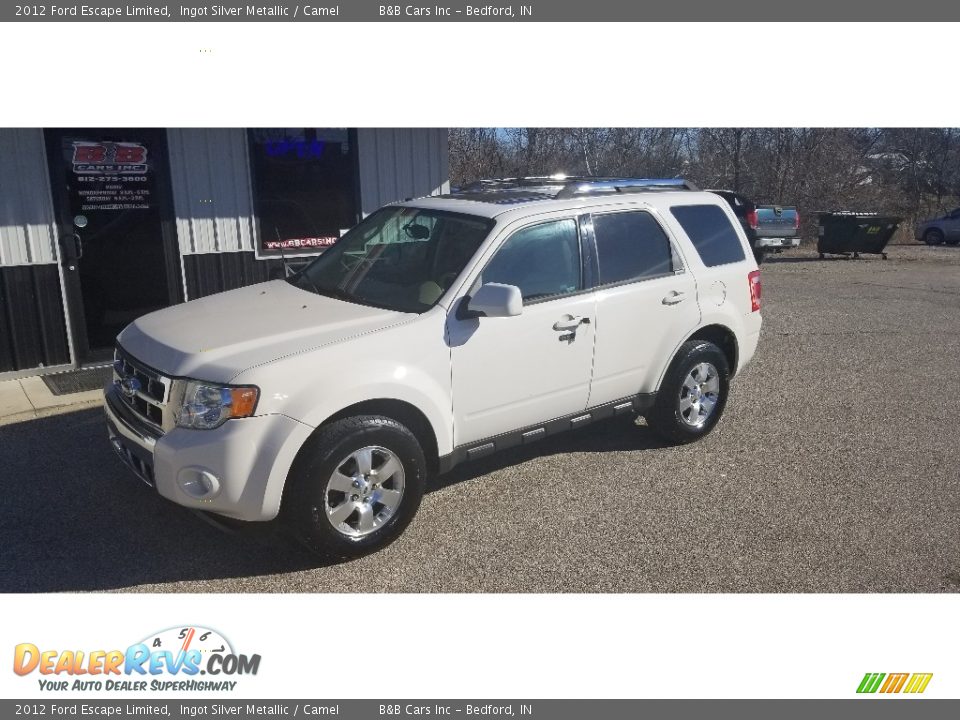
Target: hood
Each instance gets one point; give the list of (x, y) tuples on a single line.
[(219, 336)]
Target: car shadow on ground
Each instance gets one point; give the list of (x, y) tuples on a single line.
[(74, 519)]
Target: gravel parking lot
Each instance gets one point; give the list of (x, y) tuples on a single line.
[(834, 470)]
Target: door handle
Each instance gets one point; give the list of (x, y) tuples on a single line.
[(72, 247), (674, 297), (570, 322)]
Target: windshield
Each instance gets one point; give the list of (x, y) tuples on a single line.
[(399, 258)]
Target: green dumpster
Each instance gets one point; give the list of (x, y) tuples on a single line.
[(853, 233)]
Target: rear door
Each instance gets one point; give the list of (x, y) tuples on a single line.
[(646, 303)]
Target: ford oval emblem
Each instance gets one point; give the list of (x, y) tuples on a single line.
[(130, 387)]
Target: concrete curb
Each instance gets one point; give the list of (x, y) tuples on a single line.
[(48, 411)]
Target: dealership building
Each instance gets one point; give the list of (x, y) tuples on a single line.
[(99, 226)]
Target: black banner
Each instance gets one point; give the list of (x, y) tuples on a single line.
[(853, 709), (530, 11)]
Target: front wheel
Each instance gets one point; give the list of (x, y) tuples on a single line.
[(355, 486), (693, 393), (933, 237)]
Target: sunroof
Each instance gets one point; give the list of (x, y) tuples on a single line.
[(505, 197)]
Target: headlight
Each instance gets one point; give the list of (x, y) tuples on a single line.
[(207, 406)]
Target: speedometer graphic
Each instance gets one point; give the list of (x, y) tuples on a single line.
[(184, 639)]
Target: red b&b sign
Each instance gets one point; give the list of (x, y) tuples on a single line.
[(93, 158)]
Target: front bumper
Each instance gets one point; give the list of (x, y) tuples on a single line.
[(237, 470)]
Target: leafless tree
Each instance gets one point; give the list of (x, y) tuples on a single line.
[(914, 172)]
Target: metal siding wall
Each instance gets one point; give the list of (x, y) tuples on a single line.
[(211, 190), (27, 220), (210, 173), (399, 163), (33, 331)]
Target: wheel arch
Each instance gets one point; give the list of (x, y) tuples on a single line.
[(724, 338), (403, 412)]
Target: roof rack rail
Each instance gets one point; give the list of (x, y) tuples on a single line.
[(586, 186), (572, 185)]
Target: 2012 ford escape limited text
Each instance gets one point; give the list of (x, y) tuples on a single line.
[(438, 330)]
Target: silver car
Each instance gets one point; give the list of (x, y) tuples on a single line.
[(942, 230)]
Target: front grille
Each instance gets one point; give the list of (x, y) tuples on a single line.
[(142, 389), (140, 463)]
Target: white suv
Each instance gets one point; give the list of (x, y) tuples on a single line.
[(438, 330)]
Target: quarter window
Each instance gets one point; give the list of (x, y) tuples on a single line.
[(631, 246), (542, 260), (711, 233)]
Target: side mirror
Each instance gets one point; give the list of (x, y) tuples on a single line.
[(417, 232), (495, 300)]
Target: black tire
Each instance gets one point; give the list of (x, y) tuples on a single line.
[(304, 500), (933, 237), (665, 417), (758, 255)]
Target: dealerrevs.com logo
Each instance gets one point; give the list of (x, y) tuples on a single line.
[(177, 659), (893, 683)]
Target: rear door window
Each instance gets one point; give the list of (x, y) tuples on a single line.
[(711, 233), (631, 246)]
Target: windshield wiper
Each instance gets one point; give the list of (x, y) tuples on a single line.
[(300, 274), (335, 292)]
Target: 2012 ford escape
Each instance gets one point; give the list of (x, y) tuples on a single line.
[(438, 330)]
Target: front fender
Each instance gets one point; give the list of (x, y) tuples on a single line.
[(409, 362)]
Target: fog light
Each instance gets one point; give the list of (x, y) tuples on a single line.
[(199, 483)]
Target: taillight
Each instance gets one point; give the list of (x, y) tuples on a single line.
[(752, 220), (796, 221), (754, 280)]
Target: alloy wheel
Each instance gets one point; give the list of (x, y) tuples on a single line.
[(699, 394), (364, 491)]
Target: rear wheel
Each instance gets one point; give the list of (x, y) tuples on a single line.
[(758, 255), (693, 393), (355, 486), (933, 237)]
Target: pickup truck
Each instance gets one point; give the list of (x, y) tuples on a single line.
[(770, 228)]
